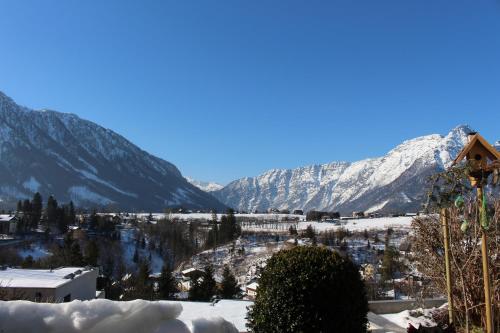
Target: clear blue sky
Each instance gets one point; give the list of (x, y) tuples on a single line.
[(226, 89)]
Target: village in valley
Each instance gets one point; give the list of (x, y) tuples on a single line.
[(362, 238), (249, 166)]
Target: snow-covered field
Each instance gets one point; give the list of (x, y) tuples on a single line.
[(208, 216), (381, 223), (105, 316)]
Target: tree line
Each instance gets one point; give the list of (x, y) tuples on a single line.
[(53, 217)]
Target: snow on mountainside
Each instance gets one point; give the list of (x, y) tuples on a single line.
[(394, 182), (75, 159), (205, 186)]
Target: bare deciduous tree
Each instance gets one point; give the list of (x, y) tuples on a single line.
[(465, 254)]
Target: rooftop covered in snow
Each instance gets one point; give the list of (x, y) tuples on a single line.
[(39, 278)]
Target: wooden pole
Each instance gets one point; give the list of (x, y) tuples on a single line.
[(446, 237), (486, 273)]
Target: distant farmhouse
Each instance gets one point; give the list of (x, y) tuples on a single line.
[(43, 285), (8, 224)]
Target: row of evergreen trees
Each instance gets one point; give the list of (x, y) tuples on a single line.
[(54, 216), (204, 286), (228, 230)]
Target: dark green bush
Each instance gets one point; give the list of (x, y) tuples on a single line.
[(309, 289)]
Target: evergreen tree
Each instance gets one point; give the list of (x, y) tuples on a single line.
[(61, 219), (71, 213), (390, 263), (36, 206), (195, 292), (143, 287), (229, 286), (365, 234), (92, 253), (235, 229), (76, 258), (204, 286), (309, 233), (224, 230), (167, 286), (51, 211), (94, 220), (135, 258), (208, 284)]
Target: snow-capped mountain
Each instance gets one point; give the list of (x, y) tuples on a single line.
[(75, 159), (395, 182), (205, 186)]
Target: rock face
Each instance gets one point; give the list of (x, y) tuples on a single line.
[(75, 159), (392, 183)]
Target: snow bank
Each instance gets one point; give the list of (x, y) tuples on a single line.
[(415, 317), (104, 316)]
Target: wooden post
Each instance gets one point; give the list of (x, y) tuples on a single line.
[(486, 273), (446, 238)]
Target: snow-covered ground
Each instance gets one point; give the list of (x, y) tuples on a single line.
[(128, 243), (105, 316), (414, 317), (381, 223), (233, 311), (245, 264)]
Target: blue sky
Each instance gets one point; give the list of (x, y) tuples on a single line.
[(226, 89)]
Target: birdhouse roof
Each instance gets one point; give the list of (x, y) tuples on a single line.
[(477, 141)]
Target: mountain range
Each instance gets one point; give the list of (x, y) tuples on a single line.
[(395, 182), (74, 159)]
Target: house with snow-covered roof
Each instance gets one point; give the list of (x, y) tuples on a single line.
[(8, 223), (63, 284), (251, 290)]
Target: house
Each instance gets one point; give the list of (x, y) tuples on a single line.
[(251, 290), (189, 275), (8, 223), (63, 284), (358, 214), (298, 212)]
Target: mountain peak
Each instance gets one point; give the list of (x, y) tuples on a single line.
[(392, 183), (75, 159), (461, 130), (205, 186)]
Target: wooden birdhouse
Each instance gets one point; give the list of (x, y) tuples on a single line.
[(482, 156)]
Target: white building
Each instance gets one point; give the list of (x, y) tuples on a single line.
[(8, 223), (251, 290), (187, 276), (42, 285)]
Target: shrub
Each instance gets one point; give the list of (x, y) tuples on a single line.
[(309, 289)]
